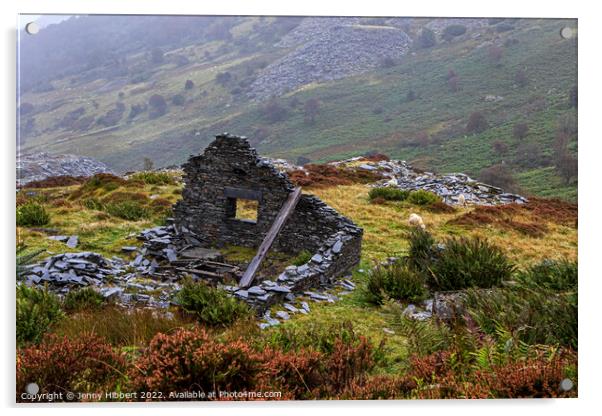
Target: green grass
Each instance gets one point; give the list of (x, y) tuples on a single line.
[(385, 233), (546, 183)]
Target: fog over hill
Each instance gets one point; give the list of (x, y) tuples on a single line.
[(481, 96)]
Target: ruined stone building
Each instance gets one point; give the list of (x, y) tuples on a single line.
[(229, 174)]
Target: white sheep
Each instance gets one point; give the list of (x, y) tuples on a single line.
[(415, 220), (392, 182), (462, 200)]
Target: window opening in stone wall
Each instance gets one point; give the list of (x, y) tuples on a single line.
[(246, 209)]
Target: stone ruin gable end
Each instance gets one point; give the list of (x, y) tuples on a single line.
[(230, 167)]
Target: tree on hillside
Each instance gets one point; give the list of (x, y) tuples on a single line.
[(157, 56), (422, 139), (530, 155), (520, 77), (294, 102), (520, 130), (223, 78), (567, 124), (453, 80), (157, 106), (561, 145), (477, 123), (311, 108), (566, 163), (495, 54), (500, 176), (148, 164), (453, 31), (410, 96), (112, 116), (453, 83), (136, 109), (188, 85), (387, 62), (427, 38), (273, 111), (567, 167), (499, 147), (450, 74), (178, 99)]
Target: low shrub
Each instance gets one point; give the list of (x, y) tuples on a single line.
[(105, 181), (93, 204), (318, 360), (188, 360), (421, 251), (316, 336), (423, 337), (504, 27), (388, 194), (120, 327), (210, 305), (302, 258), (55, 181), (452, 31), (380, 387), (128, 210), (85, 363), (556, 275), (440, 207), (503, 217), (533, 316), (32, 214), (534, 377), (325, 175), (422, 197), (468, 262), (36, 310), (192, 360), (83, 299), (25, 259), (378, 201), (349, 362), (153, 178), (161, 206), (440, 376), (298, 375), (397, 281)]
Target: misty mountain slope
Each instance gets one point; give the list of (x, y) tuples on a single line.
[(414, 104)]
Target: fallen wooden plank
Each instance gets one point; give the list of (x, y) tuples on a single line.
[(196, 271), (287, 208)]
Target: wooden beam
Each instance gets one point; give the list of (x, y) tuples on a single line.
[(201, 272), (287, 208)]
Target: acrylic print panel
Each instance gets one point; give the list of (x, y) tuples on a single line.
[(431, 252)]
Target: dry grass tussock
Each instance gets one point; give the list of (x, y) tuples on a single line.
[(385, 226)]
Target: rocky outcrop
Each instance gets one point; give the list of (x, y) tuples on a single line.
[(329, 49), (449, 187), (38, 166)]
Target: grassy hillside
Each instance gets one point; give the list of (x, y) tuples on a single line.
[(406, 109), (395, 344)]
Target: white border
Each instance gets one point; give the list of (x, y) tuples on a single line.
[(590, 99)]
